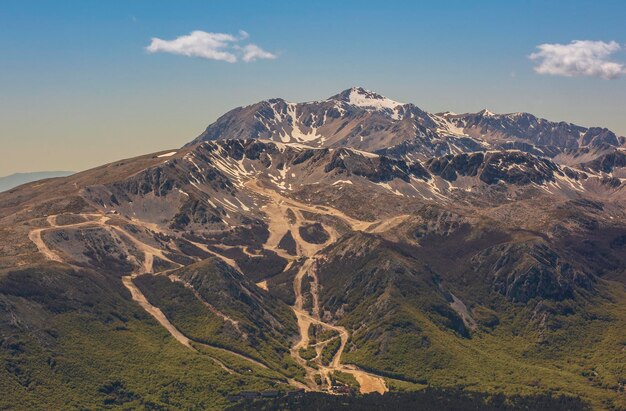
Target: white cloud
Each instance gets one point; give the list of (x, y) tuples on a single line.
[(212, 46), (252, 52), (579, 58)]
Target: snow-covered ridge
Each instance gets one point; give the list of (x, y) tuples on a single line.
[(486, 113), (365, 98), (360, 118), (369, 100)]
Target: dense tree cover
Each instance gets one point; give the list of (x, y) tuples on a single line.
[(428, 399)]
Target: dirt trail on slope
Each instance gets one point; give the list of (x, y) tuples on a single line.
[(211, 308), (52, 220), (150, 252), (276, 211), (35, 234), (232, 263), (35, 237), (388, 224), (136, 294), (325, 210), (279, 224), (138, 297)]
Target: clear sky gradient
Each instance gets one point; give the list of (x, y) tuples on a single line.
[(78, 88)]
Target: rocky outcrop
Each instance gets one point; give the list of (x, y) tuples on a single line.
[(374, 168), (536, 131), (511, 167), (606, 163), (523, 271)]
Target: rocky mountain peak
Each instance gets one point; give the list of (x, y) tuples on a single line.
[(366, 120), (360, 97)]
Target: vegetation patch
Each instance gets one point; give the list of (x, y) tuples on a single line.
[(344, 378), (288, 243), (314, 233), (329, 351), (308, 353), (424, 400)]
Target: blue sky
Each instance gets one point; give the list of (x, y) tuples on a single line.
[(78, 87)]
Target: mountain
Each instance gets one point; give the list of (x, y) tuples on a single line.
[(365, 120), (14, 180), (265, 261)]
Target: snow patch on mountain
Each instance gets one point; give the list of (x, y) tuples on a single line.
[(369, 100), (171, 153), (296, 131), (365, 98)]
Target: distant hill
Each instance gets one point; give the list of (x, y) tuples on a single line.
[(14, 180)]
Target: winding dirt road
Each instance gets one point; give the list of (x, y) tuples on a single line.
[(145, 268), (283, 215), (277, 210)]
